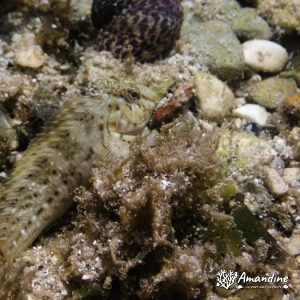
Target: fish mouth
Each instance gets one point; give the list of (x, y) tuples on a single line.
[(137, 129)]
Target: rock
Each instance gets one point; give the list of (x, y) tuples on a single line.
[(293, 245), (245, 22), (281, 13), (294, 140), (81, 9), (271, 92), (10, 85), (276, 184), (282, 148), (58, 7), (248, 25), (244, 150), (257, 197), (214, 97), (80, 16), (27, 52), (292, 104), (292, 176), (252, 112), (265, 56), (217, 45), (293, 69), (8, 136)]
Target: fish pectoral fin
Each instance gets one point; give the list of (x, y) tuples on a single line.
[(114, 149)]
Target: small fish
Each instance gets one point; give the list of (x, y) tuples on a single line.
[(39, 189), (145, 29)]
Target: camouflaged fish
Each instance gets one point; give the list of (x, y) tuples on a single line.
[(85, 130), (146, 29)]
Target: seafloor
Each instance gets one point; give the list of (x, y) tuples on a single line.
[(214, 186)]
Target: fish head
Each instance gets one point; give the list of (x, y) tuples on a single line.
[(133, 105)]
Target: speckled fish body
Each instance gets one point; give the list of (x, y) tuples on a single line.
[(145, 29), (39, 189)]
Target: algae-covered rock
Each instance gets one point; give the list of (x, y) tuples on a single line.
[(282, 13), (271, 92), (214, 97), (245, 22), (217, 45), (244, 150), (257, 198)]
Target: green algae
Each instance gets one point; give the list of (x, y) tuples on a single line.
[(228, 190), (250, 226)]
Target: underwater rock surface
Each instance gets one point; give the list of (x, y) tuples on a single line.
[(200, 193)]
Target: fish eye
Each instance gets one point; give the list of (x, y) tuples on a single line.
[(132, 96)]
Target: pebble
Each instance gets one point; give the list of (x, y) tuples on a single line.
[(292, 104), (265, 56), (271, 92), (294, 140), (293, 245), (28, 53), (252, 112), (276, 184), (292, 176), (215, 99)]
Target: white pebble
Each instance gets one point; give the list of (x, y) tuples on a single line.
[(252, 112), (265, 56)]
